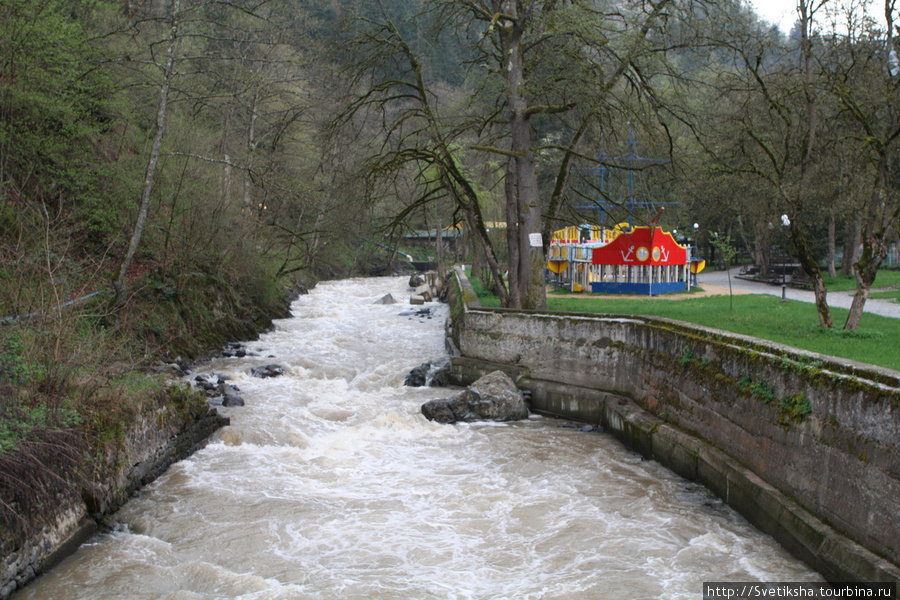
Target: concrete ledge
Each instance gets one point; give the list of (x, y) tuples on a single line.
[(155, 440), (85, 529)]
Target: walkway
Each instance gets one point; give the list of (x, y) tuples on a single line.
[(841, 299)]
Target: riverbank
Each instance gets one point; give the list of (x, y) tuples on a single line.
[(60, 485), (167, 429)]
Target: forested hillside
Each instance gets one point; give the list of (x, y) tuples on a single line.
[(169, 168)]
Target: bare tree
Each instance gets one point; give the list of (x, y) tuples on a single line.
[(536, 60), (864, 76), (775, 90), (162, 113)]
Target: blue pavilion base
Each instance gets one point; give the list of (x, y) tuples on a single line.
[(643, 289)]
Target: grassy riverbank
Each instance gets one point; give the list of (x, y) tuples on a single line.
[(73, 380), (792, 323)]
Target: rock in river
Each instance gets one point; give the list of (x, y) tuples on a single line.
[(494, 397)]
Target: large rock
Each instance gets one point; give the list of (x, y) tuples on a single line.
[(494, 397), (230, 396), (433, 373), (267, 371), (424, 290)]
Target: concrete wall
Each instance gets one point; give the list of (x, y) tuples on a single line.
[(158, 437), (806, 446)]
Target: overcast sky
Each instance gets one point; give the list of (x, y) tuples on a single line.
[(780, 12), (784, 12)]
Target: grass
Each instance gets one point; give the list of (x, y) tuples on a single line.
[(893, 295), (884, 278), (757, 315)]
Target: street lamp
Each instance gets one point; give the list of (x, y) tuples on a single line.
[(785, 222)]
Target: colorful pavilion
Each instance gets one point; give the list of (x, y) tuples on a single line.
[(624, 260)]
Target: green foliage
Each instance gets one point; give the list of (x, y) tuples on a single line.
[(24, 411), (15, 369), (20, 420), (54, 102), (726, 247), (485, 296), (794, 407), (762, 390), (185, 400)]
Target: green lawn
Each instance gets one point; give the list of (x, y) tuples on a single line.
[(848, 282), (892, 295), (793, 323)]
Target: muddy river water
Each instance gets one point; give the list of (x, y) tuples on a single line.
[(329, 484)]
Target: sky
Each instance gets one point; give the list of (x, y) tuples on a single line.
[(779, 12), (784, 12)]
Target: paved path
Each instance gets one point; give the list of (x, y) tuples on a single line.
[(885, 308)]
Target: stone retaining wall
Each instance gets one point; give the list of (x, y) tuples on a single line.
[(156, 439), (806, 446)]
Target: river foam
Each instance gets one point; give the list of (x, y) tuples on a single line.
[(329, 484)]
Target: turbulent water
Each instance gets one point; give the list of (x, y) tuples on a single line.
[(330, 484)]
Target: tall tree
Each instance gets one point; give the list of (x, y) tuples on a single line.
[(864, 76), (777, 102), (531, 60), (174, 17)]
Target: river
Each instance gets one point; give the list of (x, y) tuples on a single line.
[(329, 484)]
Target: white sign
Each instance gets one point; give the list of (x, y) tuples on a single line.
[(535, 240)]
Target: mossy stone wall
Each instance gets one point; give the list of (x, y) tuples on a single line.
[(820, 431)]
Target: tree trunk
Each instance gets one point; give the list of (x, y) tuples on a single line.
[(864, 279), (832, 245), (223, 149), (865, 269), (851, 247), (453, 179), (251, 148), (439, 241), (881, 214), (804, 254), (811, 268), (762, 247), (529, 278), (512, 235), (120, 286), (873, 253)]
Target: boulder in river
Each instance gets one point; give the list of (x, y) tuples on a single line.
[(267, 371), (233, 350), (432, 374), (386, 299), (494, 397), (230, 396)]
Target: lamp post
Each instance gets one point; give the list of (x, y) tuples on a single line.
[(785, 222), (696, 247)]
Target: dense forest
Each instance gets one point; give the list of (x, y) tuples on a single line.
[(168, 168)]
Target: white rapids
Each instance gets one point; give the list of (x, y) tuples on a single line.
[(330, 484)]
